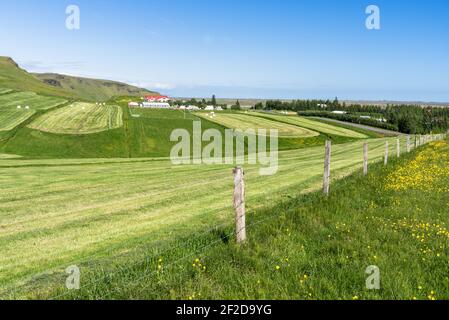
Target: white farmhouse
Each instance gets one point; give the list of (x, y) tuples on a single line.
[(156, 105), (209, 108)]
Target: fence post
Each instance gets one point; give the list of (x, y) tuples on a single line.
[(408, 144), (398, 147), (239, 204), (327, 167), (365, 158), (386, 153)]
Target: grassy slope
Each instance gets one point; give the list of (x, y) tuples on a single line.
[(308, 247), (15, 78), (69, 212), (11, 116), (12, 77), (80, 118), (92, 89)]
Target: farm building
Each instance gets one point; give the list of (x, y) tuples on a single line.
[(193, 108), (162, 99), (133, 104), (219, 108), (209, 108), (156, 105)]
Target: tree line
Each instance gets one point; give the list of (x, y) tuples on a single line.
[(410, 119)]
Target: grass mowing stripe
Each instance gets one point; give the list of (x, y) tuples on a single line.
[(11, 116), (80, 118), (313, 125), (136, 220), (244, 122), (9, 119)]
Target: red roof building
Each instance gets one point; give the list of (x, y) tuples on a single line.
[(157, 98)]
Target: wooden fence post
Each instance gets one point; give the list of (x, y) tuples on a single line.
[(365, 158), (408, 144), (386, 153), (327, 167), (239, 204), (398, 147)]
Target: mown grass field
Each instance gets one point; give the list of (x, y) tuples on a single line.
[(243, 122), (11, 116), (80, 118), (304, 246), (313, 125), (9, 119), (31, 99), (145, 133), (61, 212)]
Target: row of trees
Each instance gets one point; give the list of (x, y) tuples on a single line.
[(409, 119), (203, 103)]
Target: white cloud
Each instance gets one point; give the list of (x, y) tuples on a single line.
[(155, 85)]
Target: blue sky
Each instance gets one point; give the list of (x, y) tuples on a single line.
[(236, 49)]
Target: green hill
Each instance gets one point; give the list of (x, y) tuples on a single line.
[(91, 89), (13, 77)]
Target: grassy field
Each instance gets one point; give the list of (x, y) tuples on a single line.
[(145, 133), (244, 122), (9, 119), (11, 116), (31, 99), (328, 129), (311, 248), (304, 247), (80, 118), (56, 213)]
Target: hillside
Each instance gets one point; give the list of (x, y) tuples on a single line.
[(13, 77), (91, 89)]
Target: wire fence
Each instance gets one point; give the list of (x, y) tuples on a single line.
[(412, 142)]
